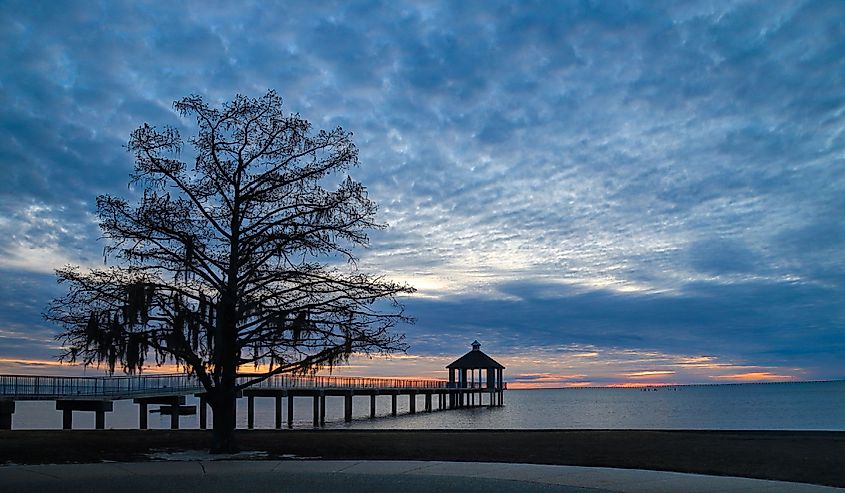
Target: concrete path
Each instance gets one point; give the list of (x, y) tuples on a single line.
[(367, 476)]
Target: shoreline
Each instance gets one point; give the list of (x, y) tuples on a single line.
[(816, 457)]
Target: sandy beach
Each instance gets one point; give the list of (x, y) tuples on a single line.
[(801, 456)]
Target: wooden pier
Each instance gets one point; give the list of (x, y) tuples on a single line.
[(471, 377), (96, 394)]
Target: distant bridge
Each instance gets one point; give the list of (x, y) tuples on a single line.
[(97, 394)]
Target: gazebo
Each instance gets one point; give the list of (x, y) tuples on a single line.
[(467, 372)]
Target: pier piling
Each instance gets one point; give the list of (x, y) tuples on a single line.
[(278, 409), (100, 407), (165, 400), (7, 409), (347, 407), (202, 411), (143, 416), (290, 411), (250, 412)]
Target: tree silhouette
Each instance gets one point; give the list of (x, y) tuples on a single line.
[(243, 260)]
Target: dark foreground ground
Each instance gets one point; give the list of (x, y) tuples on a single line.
[(802, 456)]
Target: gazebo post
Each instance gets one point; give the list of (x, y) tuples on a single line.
[(476, 376), (451, 386), (471, 386), (463, 399), (501, 389), (475, 384)]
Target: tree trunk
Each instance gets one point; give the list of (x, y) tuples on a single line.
[(224, 414), (223, 407)]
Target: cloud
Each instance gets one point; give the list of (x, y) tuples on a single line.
[(630, 175), (784, 324), (650, 374), (722, 257), (23, 297), (755, 376)]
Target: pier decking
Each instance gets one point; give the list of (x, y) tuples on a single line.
[(97, 394)]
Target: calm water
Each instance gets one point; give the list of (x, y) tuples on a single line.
[(784, 406)]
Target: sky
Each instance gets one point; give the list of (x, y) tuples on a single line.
[(600, 192)]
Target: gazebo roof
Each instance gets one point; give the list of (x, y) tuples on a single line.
[(475, 359)]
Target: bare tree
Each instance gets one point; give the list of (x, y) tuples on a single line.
[(242, 261)]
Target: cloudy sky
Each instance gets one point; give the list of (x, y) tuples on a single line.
[(601, 192)]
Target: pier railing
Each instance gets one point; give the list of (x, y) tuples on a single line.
[(318, 382), (474, 385), (30, 387), (115, 387)]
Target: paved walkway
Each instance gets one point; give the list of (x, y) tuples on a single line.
[(368, 477)]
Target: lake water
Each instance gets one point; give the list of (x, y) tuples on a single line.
[(780, 406)]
